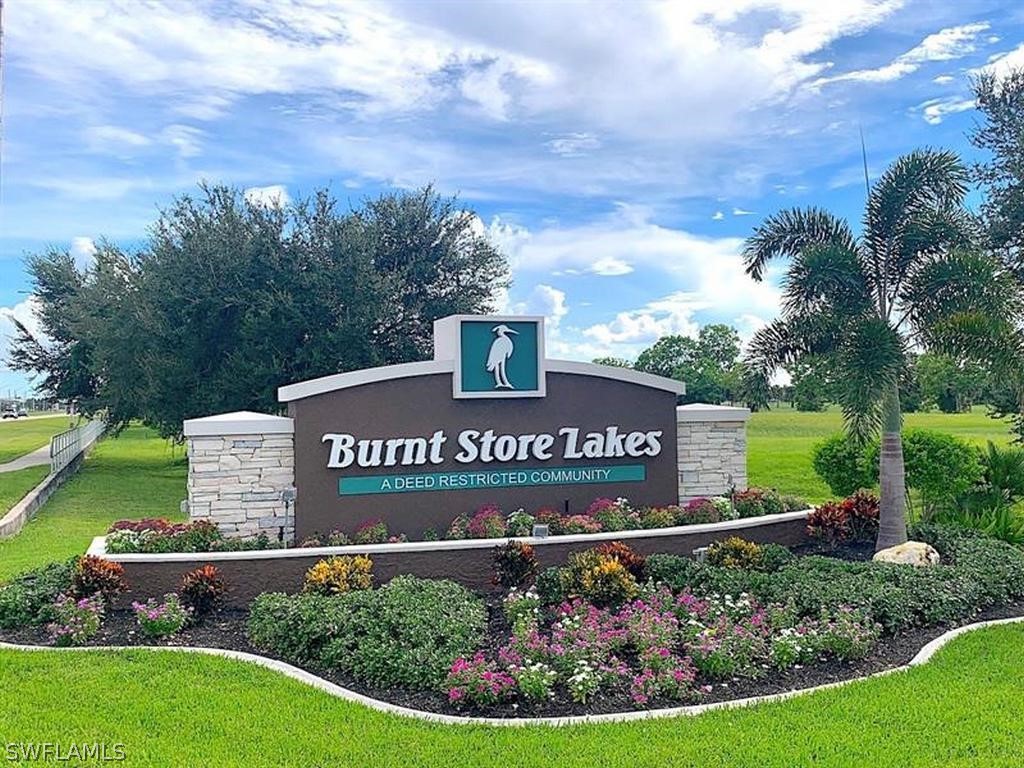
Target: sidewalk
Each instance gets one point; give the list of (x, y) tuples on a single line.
[(34, 459)]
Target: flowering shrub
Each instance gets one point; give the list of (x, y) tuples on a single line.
[(514, 564), (534, 681), (748, 503), (521, 606), (161, 619), (336, 575), (75, 621), (487, 523), (478, 681), (458, 528), (335, 538), (153, 535), (579, 524), (96, 576), (201, 589), (371, 532), (601, 579), (662, 674), (614, 515), (735, 552), (549, 517), (520, 523), (659, 517), (726, 510), (632, 560), (698, 510), (29, 598)]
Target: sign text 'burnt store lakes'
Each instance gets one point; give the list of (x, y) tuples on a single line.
[(488, 420)]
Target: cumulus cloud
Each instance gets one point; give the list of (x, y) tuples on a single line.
[(934, 111), (274, 194), (25, 313), (944, 45), (703, 277)]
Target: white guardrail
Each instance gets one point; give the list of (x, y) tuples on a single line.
[(67, 446)]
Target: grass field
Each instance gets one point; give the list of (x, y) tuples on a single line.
[(20, 437), (134, 475), (14, 485), (780, 443), (962, 709)]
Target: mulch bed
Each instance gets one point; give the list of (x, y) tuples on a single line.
[(226, 629)]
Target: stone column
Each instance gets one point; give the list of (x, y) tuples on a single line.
[(239, 465), (712, 449)]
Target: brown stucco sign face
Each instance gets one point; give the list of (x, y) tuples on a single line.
[(489, 421)]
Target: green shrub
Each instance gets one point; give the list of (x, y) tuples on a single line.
[(599, 578), (843, 465), (29, 598), (735, 552), (407, 633)]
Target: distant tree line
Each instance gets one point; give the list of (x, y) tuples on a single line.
[(229, 299), (709, 364)]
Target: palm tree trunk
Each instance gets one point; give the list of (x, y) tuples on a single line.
[(892, 528)]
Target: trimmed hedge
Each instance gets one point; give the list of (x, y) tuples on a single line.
[(406, 633)]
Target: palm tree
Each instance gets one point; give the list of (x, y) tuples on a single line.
[(909, 280)]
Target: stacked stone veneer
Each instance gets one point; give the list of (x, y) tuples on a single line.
[(712, 444), (239, 466)]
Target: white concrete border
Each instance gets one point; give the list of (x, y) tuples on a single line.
[(98, 546), (337, 381), (238, 423), (922, 657), (705, 412)]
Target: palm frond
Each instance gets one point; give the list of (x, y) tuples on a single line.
[(789, 232), (959, 283), (826, 278), (872, 357), (914, 200)]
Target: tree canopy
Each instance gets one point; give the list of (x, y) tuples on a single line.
[(230, 299)]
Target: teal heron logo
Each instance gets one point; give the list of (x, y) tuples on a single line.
[(500, 357)]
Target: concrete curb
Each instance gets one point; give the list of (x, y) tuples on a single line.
[(923, 656)]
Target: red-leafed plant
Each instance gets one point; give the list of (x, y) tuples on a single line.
[(96, 576), (202, 589)]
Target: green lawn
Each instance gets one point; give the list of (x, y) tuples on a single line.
[(134, 475), (14, 485), (964, 708), (780, 442), (20, 437)]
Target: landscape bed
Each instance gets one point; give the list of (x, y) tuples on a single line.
[(609, 630)]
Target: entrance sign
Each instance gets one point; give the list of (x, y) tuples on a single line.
[(488, 421)]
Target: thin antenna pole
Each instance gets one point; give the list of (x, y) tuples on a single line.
[(863, 155)]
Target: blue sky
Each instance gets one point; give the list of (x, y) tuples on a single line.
[(618, 152)]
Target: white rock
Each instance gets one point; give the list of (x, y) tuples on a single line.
[(910, 553)]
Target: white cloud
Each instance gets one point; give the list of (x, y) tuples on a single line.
[(944, 45), (611, 266), (184, 138), (672, 314), (1005, 63), (274, 194), (113, 137), (719, 216), (943, 79), (83, 251), (25, 313), (573, 144), (544, 300), (742, 212), (934, 111)]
